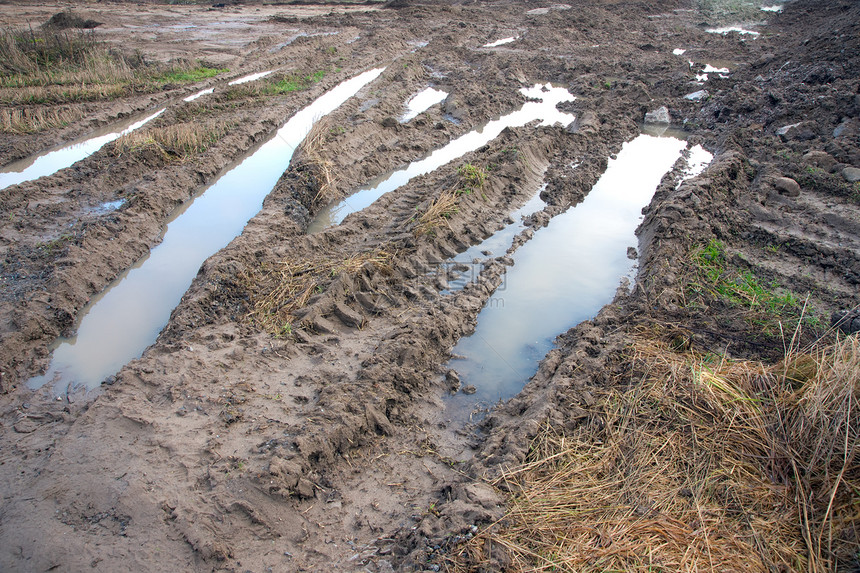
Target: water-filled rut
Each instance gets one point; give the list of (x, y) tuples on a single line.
[(64, 156), (119, 324), (541, 106), (563, 275)]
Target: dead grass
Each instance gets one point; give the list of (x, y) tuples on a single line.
[(699, 464), (312, 162), (56, 57), (278, 292), (34, 120), (445, 206), (174, 142)]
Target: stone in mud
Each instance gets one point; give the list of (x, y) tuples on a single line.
[(802, 131), (786, 186), (659, 116), (851, 174), (820, 159), (468, 389), (389, 122), (848, 129), (698, 96)]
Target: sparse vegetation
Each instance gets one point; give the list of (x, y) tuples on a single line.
[(694, 464), (474, 177), (716, 278)]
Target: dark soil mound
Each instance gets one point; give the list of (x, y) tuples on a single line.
[(67, 20)]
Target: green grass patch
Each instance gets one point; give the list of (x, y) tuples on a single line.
[(766, 305), (189, 76), (294, 83), (474, 178)]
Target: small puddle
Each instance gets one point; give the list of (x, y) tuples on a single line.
[(728, 29), (251, 78), (565, 274), (501, 42), (50, 162), (467, 266), (542, 11), (199, 94), (679, 51), (126, 318), (107, 207), (421, 102), (541, 106), (774, 8)]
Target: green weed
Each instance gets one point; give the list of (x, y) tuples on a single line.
[(474, 177), (189, 76), (715, 277)]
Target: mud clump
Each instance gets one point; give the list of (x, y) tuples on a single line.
[(69, 20)]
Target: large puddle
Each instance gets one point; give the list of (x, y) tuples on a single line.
[(565, 274), (52, 161), (541, 106), (119, 325)]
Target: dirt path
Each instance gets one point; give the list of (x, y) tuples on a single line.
[(329, 447)]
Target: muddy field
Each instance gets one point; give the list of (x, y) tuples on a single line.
[(300, 410)]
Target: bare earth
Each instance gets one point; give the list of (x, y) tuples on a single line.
[(225, 448)]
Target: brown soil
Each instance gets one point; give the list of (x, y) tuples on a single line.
[(227, 448)]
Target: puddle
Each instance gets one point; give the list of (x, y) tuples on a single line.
[(565, 274), (774, 8), (199, 94), (501, 42), (679, 51), (698, 160), (466, 266), (50, 162), (728, 29), (542, 11), (120, 323), (251, 78), (421, 102), (709, 69), (541, 106)]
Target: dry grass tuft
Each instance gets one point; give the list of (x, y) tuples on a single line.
[(446, 205), (34, 120), (278, 292), (702, 465), (174, 142), (57, 57), (313, 164)]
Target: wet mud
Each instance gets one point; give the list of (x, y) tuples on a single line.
[(294, 413)]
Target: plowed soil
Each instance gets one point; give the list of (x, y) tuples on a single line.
[(327, 445)]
